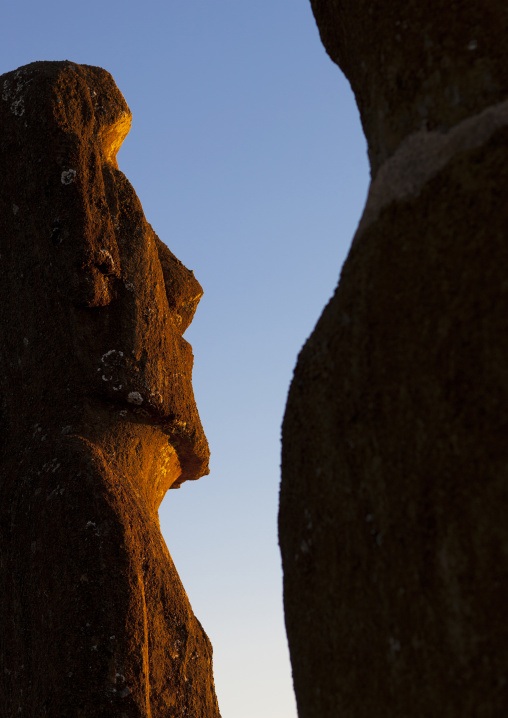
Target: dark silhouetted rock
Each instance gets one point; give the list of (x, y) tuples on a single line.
[(416, 65), (98, 418), (394, 492)]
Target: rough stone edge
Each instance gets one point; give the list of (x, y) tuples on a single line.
[(422, 155)]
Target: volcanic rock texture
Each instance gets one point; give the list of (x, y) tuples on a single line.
[(98, 418), (394, 498)]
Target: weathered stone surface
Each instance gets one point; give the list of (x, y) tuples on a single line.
[(415, 65), (394, 488), (98, 418)]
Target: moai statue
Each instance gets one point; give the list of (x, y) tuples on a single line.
[(394, 493), (97, 420)]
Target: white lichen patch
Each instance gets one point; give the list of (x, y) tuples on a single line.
[(111, 361), (134, 397), (12, 93), (68, 176), (112, 352), (15, 209), (18, 107)]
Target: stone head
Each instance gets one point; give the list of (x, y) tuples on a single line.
[(95, 305), (413, 66)]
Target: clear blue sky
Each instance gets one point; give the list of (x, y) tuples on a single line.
[(247, 154)]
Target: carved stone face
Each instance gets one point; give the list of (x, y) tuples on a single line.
[(119, 299), (138, 300), (97, 416)]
